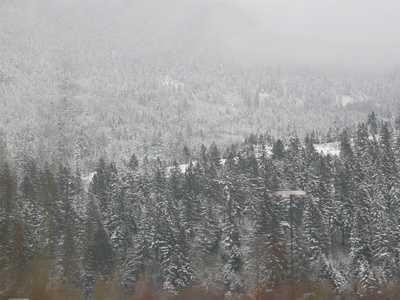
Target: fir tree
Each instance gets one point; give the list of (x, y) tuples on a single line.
[(68, 262), (98, 253), (372, 124), (361, 238), (278, 150), (230, 250)]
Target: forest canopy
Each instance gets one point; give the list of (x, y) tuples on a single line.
[(212, 224)]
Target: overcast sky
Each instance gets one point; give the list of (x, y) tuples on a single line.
[(363, 32), (368, 29), (341, 21), (360, 21)]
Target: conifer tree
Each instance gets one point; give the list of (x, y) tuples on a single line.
[(230, 250), (100, 185), (191, 203), (344, 187), (214, 155), (68, 257), (14, 247), (49, 201), (236, 185), (372, 124), (383, 240), (270, 257), (326, 195), (98, 254), (295, 164), (361, 238), (278, 150)]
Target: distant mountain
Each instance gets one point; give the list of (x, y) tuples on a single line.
[(84, 79)]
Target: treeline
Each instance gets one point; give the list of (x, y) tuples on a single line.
[(210, 227)]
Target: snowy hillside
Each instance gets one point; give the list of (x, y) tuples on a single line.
[(148, 149), (143, 79)]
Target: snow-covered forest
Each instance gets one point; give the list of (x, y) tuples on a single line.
[(77, 84), (211, 226), (142, 144)]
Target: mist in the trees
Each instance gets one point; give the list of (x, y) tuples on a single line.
[(142, 144)]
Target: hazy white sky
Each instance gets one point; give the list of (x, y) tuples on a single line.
[(341, 21), (362, 32), (365, 21)]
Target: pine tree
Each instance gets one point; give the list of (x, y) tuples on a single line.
[(49, 202), (346, 151), (344, 184), (170, 239), (214, 155), (191, 199), (236, 185), (361, 238), (68, 258), (98, 254), (14, 248), (372, 124), (145, 218), (270, 258), (326, 195), (295, 164), (100, 185), (230, 250), (206, 243), (186, 155), (385, 207), (316, 230), (31, 208), (389, 170), (278, 150), (382, 240)]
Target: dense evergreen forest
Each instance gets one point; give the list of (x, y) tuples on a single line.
[(82, 81), (142, 144), (210, 225)]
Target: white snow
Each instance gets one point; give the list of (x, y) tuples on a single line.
[(87, 180), (346, 99), (268, 150), (178, 85), (328, 148), (264, 96), (183, 168)]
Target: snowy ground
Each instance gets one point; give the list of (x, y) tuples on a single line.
[(328, 148), (87, 180)]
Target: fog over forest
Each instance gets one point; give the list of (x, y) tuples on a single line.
[(250, 66), (142, 144), (360, 32)]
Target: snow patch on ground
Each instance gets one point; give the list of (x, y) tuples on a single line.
[(268, 150), (328, 148), (178, 85), (87, 180), (183, 168), (346, 100)]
